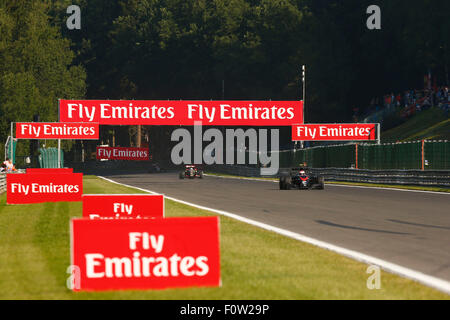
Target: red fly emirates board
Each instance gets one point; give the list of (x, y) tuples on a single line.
[(49, 170), (166, 112), (56, 130), (334, 132), (37, 188), (145, 253), (123, 206), (122, 153)]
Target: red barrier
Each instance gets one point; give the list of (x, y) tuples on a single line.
[(334, 132), (55, 130), (122, 153), (123, 206), (49, 170), (145, 254), (38, 188), (164, 112)]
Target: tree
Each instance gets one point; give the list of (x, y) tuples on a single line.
[(35, 65)]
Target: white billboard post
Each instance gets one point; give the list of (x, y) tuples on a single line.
[(303, 97), (12, 142), (59, 144), (378, 133), (304, 89)]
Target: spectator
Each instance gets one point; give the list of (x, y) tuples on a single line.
[(411, 100), (398, 99), (9, 166)]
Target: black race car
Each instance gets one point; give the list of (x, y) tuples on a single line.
[(300, 178), (191, 171)]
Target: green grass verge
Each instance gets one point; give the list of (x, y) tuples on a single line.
[(393, 186), (430, 124), (255, 264)]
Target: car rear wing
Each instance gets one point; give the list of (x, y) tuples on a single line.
[(293, 169)]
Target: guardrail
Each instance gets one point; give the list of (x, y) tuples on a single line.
[(236, 170), (438, 178), (404, 177), (2, 182)]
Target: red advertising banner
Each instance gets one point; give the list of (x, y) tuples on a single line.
[(334, 132), (123, 206), (165, 112), (122, 153), (56, 130), (37, 188), (145, 253), (49, 170)]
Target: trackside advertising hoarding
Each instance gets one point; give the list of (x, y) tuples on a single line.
[(49, 170), (54, 130), (145, 253), (123, 153), (37, 188), (123, 206), (165, 112), (334, 132)]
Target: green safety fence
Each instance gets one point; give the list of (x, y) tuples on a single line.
[(433, 155), (437, 155), (11, 153), (342, 156), (390, 156), (48, 158)]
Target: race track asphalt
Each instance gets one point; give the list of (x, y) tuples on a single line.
[(411, 229)]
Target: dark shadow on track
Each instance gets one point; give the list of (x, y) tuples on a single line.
[(358, 228)]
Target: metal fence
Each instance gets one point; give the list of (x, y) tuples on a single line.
[(48, 158), (435, 178), (422, 155), (3, 179), (2, 182)]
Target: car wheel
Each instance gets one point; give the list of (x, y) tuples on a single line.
[(288, 183), (321, 181), (181, 175), (282, 183), (200, 175), (285, 181)]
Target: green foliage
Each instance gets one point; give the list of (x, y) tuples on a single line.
[(35, 65), (184, 49)]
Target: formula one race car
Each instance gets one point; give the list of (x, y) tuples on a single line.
[(191, 171), (300, 178)]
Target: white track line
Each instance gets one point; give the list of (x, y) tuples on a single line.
[(331, 184), (425, 279)]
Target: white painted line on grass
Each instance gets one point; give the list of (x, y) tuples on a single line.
[(330, 184), (425, 279)]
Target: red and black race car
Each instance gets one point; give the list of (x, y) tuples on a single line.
[(300, 178), (191, 171)]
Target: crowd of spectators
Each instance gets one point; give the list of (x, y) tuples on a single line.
[(411, 101)]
